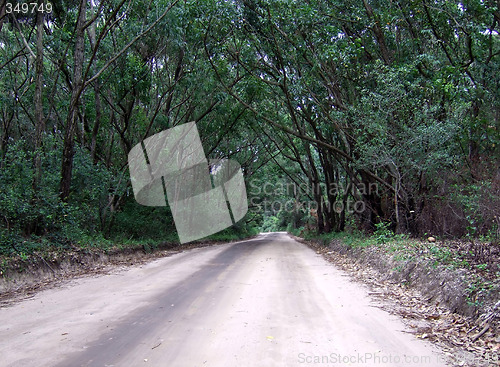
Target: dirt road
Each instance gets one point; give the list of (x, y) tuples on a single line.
[(269, 301)]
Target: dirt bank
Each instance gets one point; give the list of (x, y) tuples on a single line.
[(22, 277)]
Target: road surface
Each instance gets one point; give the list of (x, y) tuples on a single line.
[(269, 301)]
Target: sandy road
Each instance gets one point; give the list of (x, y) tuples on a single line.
[(270, 301)]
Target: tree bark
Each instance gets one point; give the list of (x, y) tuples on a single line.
[(69, 138), (39, 119), (97, 98), (97, 123)]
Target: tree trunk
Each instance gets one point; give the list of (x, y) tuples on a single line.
[(97, 123), (97, 98), (69, 138), (39, 120), (374, 213), (315, 184)]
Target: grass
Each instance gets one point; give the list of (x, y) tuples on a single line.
[(400, 247), (20, 252), (350, 239)]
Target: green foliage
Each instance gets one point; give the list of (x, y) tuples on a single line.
[(480, 202), (270, 224), (237, 232), (37, 210), (382, 233), (21, 206), (137, 222), (478, 289)]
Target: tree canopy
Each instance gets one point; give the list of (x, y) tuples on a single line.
[(343, 114)]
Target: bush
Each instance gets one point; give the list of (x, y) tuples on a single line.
[(135, 221), (270, 224), (382, 232)]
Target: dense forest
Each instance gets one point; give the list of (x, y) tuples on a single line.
[(344, 115)]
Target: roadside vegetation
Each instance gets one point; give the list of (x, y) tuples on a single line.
[(480, 260)]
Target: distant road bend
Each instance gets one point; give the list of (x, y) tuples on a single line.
[(269, 301)]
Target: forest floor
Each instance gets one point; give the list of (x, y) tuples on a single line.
[(450, 300)]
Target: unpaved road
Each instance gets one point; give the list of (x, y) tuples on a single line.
[(269, 301)]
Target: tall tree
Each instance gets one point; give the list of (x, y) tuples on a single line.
[(77, 89), (39, 69)]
